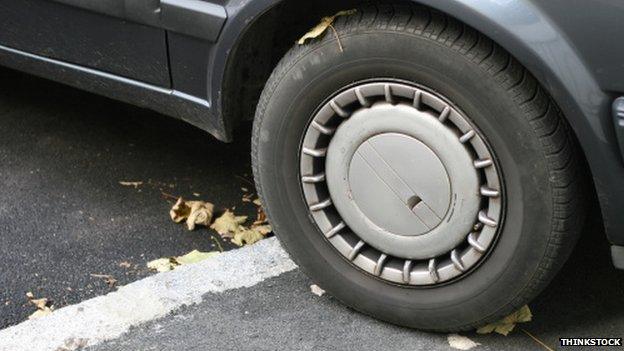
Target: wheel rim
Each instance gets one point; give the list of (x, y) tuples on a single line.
[(401, 183)]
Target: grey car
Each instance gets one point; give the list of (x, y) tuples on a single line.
[(427, 162)]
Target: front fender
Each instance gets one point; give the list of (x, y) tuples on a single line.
[(533, 37)]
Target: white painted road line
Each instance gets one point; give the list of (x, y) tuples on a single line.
[(108, 317)]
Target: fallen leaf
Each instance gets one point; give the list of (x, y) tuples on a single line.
[(43, 305), (507, 324), (325, 23), (41, 313), (247, 237), (257, 202), (316, 290), (125, 264), (108, 279), (169, 264), (261, 217), (461, 342), (228, 224), (194, 257), (194, 212), (263, 229), (244, 236), (162, 265), (133, 184), (39, 303)]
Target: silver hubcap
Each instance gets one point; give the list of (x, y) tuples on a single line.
[(401, 183)]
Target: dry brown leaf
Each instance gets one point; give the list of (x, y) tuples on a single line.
[(108, 279), (261, 217), (252, 235), (507, 324), (194, 257), (460, 342), (180, 211), (133, 184), (317, 290), (262, 229), (162, 264), (201, 214), (43, 305), (228, 224), (246, 198), (39, 303), (125, 264), (193, 212), (325, 23), (247, 237), (170, 263), (41, 313)]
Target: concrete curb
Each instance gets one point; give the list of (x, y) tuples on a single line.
[(108, 317)]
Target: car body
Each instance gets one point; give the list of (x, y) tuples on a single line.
[(206, 61)]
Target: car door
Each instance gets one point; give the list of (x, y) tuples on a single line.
[(98, 34)]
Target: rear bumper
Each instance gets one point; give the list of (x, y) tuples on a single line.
[(617, 254)]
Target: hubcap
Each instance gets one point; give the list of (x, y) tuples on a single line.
[(398, 183), (401, 183)]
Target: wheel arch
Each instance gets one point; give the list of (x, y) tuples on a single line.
[(523, 29)]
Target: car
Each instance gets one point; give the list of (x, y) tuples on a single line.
[(428, 162)]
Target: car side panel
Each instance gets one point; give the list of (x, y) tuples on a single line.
[(85, 38), (596, 31)]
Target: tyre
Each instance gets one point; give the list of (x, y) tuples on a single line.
[(416, 171)]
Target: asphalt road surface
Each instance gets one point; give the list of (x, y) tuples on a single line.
[(63, 213), (64, 216)]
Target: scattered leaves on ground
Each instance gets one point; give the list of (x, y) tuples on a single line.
[(228, 225), (132, 184), (44, 306), (326, 22), (170, 263), (193, 212), (507, 324), (317, 290), (460, 342)]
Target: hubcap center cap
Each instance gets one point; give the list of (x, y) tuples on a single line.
[(400, 184)]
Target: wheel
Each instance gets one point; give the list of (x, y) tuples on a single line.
[(416, 171)]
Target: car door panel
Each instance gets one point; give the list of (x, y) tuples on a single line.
[(86, 38)]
